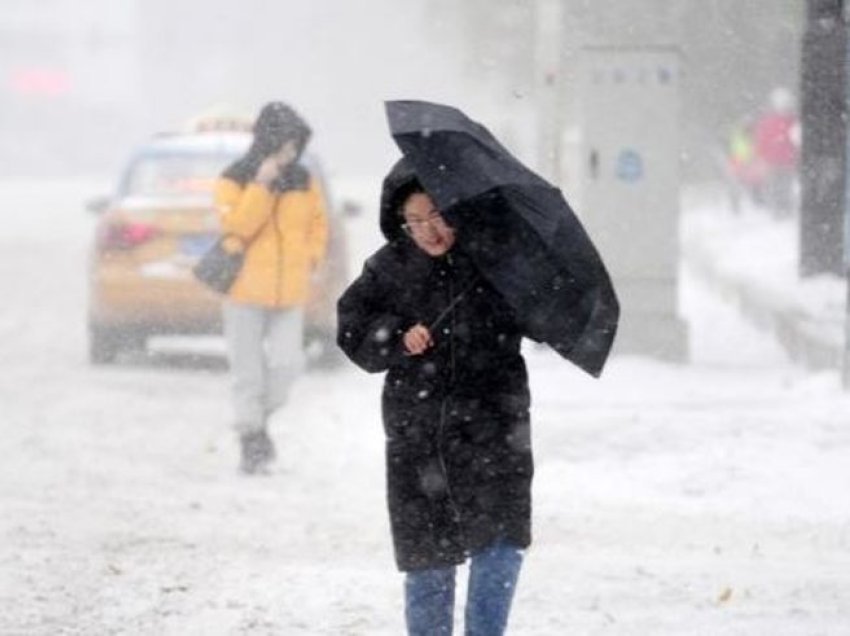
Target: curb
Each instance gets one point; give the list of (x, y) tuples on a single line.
[(812, 341)]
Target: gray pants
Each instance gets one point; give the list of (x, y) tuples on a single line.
[(265, 350)]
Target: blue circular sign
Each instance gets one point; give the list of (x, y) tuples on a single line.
[(629, 165)]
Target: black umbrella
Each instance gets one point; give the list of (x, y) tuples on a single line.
[(517, 228)]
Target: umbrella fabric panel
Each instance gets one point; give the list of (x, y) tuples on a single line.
[(562, 297), (424, 118), (514, 260), (454, 167)]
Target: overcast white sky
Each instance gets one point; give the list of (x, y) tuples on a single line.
[(341, 59)]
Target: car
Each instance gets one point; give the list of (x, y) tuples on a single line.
[(155, 227)]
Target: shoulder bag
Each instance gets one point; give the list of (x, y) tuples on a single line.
[(218, 268)]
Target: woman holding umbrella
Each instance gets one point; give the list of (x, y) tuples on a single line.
[(480, 252), (456, 412)]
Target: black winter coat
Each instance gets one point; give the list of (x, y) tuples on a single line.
[(459, 464)]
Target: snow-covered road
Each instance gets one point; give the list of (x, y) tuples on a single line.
[(709, 498)]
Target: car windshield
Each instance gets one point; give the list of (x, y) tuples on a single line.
[(175, 174)]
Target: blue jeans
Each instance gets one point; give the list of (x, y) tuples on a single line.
[(430, 594)]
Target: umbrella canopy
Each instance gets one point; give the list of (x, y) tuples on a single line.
[(517, 228)]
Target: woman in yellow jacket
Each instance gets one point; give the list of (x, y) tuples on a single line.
[(270, 206)]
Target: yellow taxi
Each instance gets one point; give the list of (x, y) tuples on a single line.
[(155, 227)]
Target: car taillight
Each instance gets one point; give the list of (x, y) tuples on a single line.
[(125, 235)]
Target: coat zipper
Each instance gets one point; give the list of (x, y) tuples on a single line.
[(444, 467), (444, 405)]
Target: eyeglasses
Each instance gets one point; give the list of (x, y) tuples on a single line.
[(421, 226)]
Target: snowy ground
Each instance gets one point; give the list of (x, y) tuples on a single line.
[(709, 498)]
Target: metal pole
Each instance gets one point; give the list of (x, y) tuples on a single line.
[(845, 375), (822, 166)]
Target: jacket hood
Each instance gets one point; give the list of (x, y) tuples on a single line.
[(398, 184), (276, 124)]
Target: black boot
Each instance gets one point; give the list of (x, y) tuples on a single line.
[(257, 452)]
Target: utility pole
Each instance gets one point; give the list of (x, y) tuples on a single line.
[(824, 150), (845, 375)]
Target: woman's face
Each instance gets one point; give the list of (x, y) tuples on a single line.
[(423, 223)]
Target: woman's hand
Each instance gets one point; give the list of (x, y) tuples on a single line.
[(268, 171), (417, 340), (274, 164)]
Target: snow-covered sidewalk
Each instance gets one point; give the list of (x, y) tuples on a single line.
[(753, 259), (707, 498)]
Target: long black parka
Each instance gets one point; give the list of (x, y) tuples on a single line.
[(459, 464)]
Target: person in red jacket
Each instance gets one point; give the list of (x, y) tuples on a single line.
[(776, 145)]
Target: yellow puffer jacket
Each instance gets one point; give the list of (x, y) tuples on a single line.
[(285, 250)]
